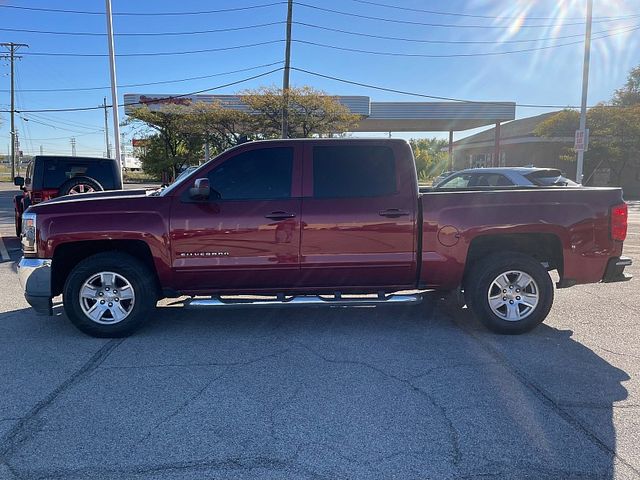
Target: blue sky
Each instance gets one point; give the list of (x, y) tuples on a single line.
[(548, 76)]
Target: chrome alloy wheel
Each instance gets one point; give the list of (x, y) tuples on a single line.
[(107, 298), (81, 188), (513, 295)]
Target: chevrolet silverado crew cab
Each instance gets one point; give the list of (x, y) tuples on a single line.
[(307, 222), (53, 176)]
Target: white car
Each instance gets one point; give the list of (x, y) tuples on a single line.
[(505, 177)]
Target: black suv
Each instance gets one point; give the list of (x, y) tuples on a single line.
[(48, 177)]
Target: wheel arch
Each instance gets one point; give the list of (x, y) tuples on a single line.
[(67, 255), (544, 247)]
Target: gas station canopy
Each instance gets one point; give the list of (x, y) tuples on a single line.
[(376, 116)]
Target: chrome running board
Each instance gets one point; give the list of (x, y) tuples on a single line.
[(306, 300)]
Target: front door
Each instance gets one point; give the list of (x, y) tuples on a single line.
[(249, 238)]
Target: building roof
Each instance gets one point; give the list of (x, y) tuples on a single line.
[(521, 128)]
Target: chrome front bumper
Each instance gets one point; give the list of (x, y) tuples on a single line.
[(35, 277)]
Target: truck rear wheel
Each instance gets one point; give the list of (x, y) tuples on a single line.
[(109, 294), (510, 293)]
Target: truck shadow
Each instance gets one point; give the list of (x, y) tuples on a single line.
[(378, 390)]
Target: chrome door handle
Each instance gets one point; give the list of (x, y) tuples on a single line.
[(393, 213), (280, 215)]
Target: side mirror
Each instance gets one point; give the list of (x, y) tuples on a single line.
[(18, 181), (201, 190)]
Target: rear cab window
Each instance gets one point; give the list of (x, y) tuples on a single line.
[(58, 171), (353, 171)]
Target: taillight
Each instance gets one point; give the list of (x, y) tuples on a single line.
[(618, 226)]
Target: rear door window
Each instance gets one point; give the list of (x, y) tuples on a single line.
[(58, 171), (353, 171), (490, 180)]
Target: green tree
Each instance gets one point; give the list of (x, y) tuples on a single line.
[(171, 142), (614, 136), (311, 112), (222, 127), (431, 159), (629, 94)]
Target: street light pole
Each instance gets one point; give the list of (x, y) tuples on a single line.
[(114, 88), (585, 88)]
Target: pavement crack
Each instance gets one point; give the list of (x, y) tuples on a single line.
[(622, 354), (454, 436), (28, 424), (182, 406)]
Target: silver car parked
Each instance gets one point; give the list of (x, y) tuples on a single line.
[(505, 177)]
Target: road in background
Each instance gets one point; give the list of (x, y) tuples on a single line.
[(324, 393)]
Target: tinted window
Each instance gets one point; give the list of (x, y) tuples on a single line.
[(353, 171), (28, 176), (458, 181), (490, 180), (257, 174), (548, 178), (58, 171)]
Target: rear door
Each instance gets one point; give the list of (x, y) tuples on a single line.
[(359, 214), (250, 237)]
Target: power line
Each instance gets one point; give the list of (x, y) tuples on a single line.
[(57, 127), (445, 25), (422, 95), (145, 14), (249, 45), (47, 118), (469, 15), (80, 109), (449, 42), (456, 55), (155, 54), (163, 82), (142, 34)]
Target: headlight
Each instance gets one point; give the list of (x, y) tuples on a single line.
[(28, 238)]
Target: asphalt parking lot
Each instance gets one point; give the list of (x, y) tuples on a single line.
[(388, 392)]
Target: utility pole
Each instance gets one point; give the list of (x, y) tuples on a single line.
[(73, 146), (585, 88), (285, 77), (12, 57), (114, 87), (106, 127), (41, 150)]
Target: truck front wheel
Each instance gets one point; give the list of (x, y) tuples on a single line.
[(109, 294), (509, 292)]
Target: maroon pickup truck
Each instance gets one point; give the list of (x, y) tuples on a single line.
[(308, 222)]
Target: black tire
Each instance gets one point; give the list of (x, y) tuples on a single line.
[(136, 273), (18, 223), (79, 183), (481, 279)]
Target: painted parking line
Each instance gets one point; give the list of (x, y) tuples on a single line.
[(3, 250)]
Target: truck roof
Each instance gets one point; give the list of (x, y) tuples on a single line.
[(69, 157)]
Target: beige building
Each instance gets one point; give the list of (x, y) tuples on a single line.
[(519, 146)]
